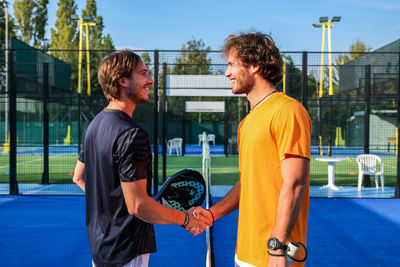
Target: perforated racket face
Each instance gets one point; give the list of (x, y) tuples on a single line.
[(183, 190)]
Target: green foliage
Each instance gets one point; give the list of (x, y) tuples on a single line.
[(193, 58), (31, 18), (192, 61), (40, 22), (63, 36), (97, 41)]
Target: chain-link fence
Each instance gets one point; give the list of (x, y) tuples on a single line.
[(50, 98)]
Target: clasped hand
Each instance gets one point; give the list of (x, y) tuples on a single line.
[(199, 219)]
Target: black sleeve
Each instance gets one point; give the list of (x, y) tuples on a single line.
[(81, 156), (131, 154)]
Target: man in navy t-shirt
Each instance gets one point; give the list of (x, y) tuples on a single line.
[(114, 167)]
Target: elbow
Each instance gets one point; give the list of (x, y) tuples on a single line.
[(77, 180), (135, 208)]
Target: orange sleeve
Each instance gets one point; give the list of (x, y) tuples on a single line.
[(292, 128)]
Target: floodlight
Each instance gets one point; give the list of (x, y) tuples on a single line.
[(87, 17), (317, 25), (336, 19), (323, 19), (74, 17)]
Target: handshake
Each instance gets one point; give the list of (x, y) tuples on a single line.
[(197, 219)]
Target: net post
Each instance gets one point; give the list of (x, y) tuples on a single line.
[(207, 176)]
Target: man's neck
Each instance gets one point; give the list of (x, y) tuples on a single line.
[(126, 106), (260, 89)]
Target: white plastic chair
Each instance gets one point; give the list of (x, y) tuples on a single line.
[(200, 139), (211, 138), (367, 165), (174, 144)]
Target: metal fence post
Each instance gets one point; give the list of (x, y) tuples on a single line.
[(304, 84), (367, 111), (226, 131), (45, 175), (397, 190), (183, 126), (164, 122), (155, 125), (12, 92)]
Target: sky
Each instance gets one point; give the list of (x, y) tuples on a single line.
[(167, 24)]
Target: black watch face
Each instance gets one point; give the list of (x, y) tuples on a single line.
[(272, 243)]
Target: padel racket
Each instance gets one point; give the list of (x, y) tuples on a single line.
[(183, 190)]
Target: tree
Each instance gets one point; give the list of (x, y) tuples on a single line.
[(97, 42), (63, 36), (31, 17), (23, 12), (193, 58), (40, 22), (11, 33)]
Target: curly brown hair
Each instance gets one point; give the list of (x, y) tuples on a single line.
[(257, 49), (112, 68)]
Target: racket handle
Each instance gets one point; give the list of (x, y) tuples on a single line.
[(291, 252), (292, 249)]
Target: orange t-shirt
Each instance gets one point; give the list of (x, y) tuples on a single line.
[(276, 128)]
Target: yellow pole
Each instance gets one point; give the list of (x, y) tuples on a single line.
[(284, 76), (87, 59), (321, 153), (321, 80), (330, 58), (80, 56), (397, 138)]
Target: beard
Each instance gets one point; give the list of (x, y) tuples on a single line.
[(133, 93), (244, 85)]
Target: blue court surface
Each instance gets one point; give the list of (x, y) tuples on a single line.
[(50, 231)]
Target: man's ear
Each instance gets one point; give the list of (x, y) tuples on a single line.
[(122, 82), (254, 69)]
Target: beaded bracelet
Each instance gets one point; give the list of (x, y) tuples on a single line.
[(186, 220)]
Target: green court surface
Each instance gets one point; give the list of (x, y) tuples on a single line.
[(224, 170)]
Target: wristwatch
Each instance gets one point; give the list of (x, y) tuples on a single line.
[(274, 244)]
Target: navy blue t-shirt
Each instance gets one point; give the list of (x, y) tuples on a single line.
[(115, 149)]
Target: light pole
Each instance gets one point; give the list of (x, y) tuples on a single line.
[(326, 23), (84, 21), (5, 5)]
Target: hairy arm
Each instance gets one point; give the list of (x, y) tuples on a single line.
[(226, 205), (294, 172), (78, 177)]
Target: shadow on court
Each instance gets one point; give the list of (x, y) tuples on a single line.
[(50, 231)]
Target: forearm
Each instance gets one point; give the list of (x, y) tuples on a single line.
[(149, 210), (146, 208), (78, 177), (288, 209), (227, 204)]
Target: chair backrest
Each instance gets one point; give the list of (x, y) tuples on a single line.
[(176, 142), (368, 162), (211, 137)]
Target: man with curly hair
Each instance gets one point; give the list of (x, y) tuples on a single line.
[(274, 140)]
